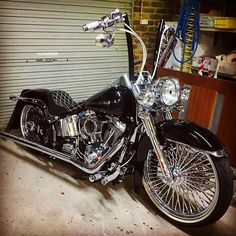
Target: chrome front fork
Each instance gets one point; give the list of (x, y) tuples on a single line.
[(151, 132)]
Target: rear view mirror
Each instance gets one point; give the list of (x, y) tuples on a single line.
[(104, 40)]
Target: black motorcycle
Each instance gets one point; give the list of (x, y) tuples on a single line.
[(128, 128)]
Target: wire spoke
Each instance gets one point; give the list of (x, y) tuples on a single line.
[(185, 158), (191, 190), (202, 184), (198, 192), (190, 161), (193, 200), (197, 165)]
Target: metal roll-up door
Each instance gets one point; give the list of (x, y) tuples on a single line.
[(42, 45)]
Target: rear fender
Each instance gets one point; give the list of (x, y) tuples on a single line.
[(14, 122)]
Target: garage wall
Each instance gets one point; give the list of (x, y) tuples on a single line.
[(153, 11), (42, 45)]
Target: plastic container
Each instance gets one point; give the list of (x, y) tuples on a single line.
[(227, 68), (225, 22), (208, 63)]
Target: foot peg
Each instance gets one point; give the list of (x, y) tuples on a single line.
[(111, 177), (97, 176)]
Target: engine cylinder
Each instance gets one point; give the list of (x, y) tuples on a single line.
[(90, 126), (67, 127)]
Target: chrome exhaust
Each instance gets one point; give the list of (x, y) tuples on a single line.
[(60, 155)]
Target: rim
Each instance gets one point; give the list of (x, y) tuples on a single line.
[(192, 193), (30, 124)]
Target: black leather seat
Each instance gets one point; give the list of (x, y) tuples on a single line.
[(58, 102)]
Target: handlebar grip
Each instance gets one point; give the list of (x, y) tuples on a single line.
[(92, 25), (106, 21)]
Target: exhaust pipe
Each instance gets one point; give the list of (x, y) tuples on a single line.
[(60, 155)]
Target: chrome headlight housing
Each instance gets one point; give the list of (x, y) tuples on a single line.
[(169, 90), (149, 98), (185, 93)]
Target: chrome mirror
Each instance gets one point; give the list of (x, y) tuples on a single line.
[(104, 40)]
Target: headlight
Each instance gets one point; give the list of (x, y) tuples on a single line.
[(185, 93), (149, 98), (169, 91)]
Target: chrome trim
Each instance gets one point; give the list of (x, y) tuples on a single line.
[(67, 127), (161, 84), (111, 177), (62, 156), (218, 153), (167, 115), (151, 132), (36, 102)]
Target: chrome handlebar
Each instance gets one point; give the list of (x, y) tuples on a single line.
[(105, 22)]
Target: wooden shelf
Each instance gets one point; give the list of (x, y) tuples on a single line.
[(220, 75), (220, 85), (208, 29)]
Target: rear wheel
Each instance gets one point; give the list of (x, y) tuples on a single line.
[(200, 189), (33, 125)]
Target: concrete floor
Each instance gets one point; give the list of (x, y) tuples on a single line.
[(39, 196)]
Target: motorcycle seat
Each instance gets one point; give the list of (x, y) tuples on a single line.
[(58, 102)]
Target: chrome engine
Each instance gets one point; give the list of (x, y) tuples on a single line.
[(86, 138), (90, 127), (67, 127)]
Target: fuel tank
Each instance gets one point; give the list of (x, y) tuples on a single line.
[(116, 101)]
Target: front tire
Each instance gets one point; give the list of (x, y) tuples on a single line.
[(201, 187)]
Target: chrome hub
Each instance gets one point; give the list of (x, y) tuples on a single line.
[(177, 177)]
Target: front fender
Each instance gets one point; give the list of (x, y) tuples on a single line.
[(186, 132), (192, 134)]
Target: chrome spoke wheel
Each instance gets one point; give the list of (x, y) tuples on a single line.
[(31, 124), (192, 192)]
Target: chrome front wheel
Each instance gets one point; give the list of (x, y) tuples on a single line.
[(194, 193)]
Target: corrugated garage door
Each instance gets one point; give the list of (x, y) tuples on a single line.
[(42, 45)]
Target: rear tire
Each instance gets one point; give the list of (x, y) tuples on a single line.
[(200, 190), (33, 125)]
